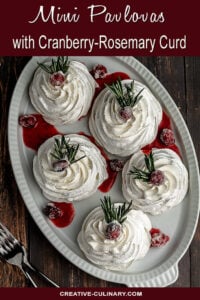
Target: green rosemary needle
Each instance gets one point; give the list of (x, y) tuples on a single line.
[(63, 149), (144, 175), (60, 64), (125, 96), (112, 213)]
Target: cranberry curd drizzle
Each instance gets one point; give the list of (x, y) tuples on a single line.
[(35, 136), (158, 238), (109, 79), (165, 123), (68, 213)]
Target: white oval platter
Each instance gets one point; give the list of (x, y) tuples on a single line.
[(160, 266)]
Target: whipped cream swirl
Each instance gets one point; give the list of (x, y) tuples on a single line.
[(66, 103), (79, 180), (121, 137), (132, 244), (151, 198)]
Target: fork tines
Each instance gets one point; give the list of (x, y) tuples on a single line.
[(8, 244)]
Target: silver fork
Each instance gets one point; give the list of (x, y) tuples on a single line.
[(12, 251)]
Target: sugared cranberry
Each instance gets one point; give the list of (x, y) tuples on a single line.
[(157, 177), (116, 165), (167, 137), (99, 71), (126, 113), (28, 121), (113, 231), (57, 79), (158, 238), (60, 165), (52, 211)]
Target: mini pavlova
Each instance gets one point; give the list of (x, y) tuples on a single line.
[(114, 235), (154, 182), (125, 117), (62, 90), (69, 168)]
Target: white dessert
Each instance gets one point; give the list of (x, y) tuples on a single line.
[(151, 198), (121, 137), (66, 103), (132, 244), (79, 180)]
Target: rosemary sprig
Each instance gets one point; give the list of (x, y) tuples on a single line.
[(63, 149), (113, 213), (125, 97), (149, 161), (144, 175), (60, 64)]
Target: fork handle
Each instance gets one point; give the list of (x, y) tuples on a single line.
[(35, 276)]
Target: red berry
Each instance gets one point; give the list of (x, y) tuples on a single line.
[(57, 79), (126, 113), (167, 137), (158, 238), (113, 231), (157, 177), (60, 165), (154, 231), (116, 165), (28, 121), (52, 211), (99, 71)]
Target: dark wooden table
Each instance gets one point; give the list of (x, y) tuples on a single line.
[(181, 77)]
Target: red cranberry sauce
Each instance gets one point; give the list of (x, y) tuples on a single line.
[(109, 79), (157, 143), (67, 216), (35, 136), (108, 183), (158, 238)]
